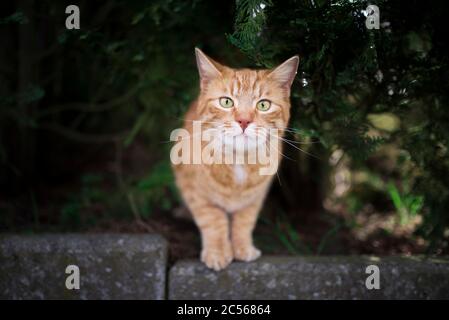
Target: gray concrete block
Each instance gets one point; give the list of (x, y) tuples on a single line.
[(112, 266), (312, 278)]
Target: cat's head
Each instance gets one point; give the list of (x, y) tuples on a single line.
[(242, 105)]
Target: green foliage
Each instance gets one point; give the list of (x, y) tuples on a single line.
[(286, 235), (80, 98), (70, 215), (120, 83), (90, 193), (249, 23), (16, 17), (348, 72), (158, 189), (160, 176), (407, 205)]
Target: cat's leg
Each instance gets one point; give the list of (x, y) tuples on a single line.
[(214, 227), (243, 223)]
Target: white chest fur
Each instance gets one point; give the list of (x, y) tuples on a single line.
[(240, 174)]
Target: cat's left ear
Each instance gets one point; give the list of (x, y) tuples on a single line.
[(286, 72)]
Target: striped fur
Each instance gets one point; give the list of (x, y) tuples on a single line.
[(224, 199)]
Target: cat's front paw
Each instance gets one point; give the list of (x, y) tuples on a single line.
[(217, 259), (246, 252)]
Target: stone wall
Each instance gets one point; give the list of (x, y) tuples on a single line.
[(122, 266), (110, 266)]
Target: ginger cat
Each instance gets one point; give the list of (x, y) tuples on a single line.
[(239, 106)]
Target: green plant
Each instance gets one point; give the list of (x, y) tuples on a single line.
[(407, 205), (350, 75), (287, 235)]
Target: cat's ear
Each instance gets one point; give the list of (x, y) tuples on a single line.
[(208, 68), (286, 72)]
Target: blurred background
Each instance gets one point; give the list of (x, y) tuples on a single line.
[(85, 119)]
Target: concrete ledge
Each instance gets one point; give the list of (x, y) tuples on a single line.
[(312, 278), (111, 266), (124, 266)]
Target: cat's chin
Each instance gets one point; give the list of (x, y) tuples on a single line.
[(242, 143)]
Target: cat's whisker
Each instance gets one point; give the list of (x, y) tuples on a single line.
[(294, 141), (183, 139), (205, 121), (295, 132), (277, 149), (290, 129), (296, 147), (300, 142), (197, 120), (193, 135)]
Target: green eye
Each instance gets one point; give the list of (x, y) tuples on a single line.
[(226, 102), (263, 105)]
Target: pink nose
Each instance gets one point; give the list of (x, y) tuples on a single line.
[(244, 123)]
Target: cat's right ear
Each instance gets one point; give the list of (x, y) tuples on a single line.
[(207, 68), (286, 72)]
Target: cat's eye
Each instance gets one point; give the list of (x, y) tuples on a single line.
[(263, 105), (226, 102)]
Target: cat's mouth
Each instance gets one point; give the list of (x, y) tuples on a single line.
[(245, 135), (243, 141)]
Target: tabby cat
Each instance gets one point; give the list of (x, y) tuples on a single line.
[(241, 107)]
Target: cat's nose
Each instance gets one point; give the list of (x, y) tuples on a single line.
[(243, 123)]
